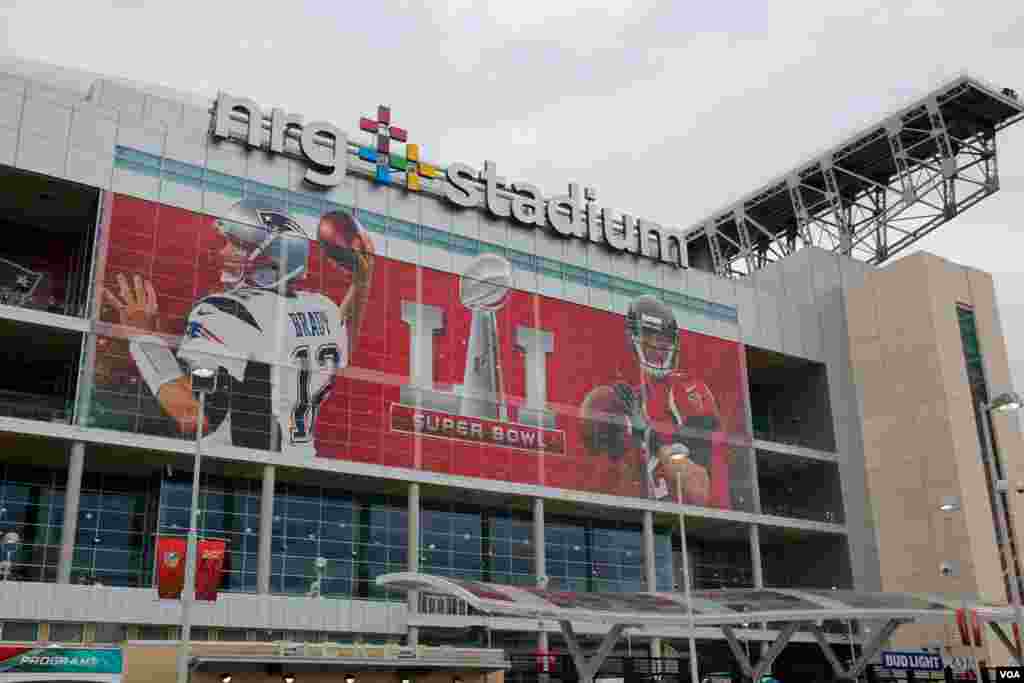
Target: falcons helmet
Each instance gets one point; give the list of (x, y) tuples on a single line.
[(654, 335), (275, 250)]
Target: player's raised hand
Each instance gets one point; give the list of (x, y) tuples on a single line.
[(364, 253), (135, 302)]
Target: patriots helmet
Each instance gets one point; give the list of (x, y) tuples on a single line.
[(653, 334), (273, 249)]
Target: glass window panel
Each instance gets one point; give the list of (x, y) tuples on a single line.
[(61, 632), (294, 585), (301, 566), (336, 551), (19, 630), (151, 632), (466, 561), (110, 633), (308, 510), (303, 547)]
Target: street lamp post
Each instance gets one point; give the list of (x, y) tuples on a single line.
[(679, 453), (204, 381), (1003, 403)]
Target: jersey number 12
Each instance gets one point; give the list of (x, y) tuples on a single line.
[(307, 400)]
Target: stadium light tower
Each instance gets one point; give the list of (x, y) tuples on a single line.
[(680, 453), (204, 381)]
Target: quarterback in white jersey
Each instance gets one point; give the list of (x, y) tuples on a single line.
[(276, 350)]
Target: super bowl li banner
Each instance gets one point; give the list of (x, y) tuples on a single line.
[(325, 348)]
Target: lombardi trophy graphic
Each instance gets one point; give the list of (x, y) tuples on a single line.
[(483, 288)]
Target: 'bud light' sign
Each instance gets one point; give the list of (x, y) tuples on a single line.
[(915, 661)]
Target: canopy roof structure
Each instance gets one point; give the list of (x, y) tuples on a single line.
[(726, 609)]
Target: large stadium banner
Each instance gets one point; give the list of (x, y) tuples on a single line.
[(324, 348)]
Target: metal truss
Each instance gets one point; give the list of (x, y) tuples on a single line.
[(874, 195)]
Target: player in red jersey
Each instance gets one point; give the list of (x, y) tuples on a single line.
[(670, 414)]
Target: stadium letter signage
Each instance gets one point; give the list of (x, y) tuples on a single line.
[(573, 215), (323, 145), (570, 215)]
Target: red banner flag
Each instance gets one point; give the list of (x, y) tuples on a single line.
[(976, 627), (961, 622), (210, 568), (170, 562)]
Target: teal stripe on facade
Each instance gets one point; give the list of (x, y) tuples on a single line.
[(313, 205)]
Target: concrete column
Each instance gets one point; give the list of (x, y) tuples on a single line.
[(72, 496), (755, 556), (650, 566), (540, 572), (650, 570), (540, 561), (413, 557), (263, 553), (758, 574)]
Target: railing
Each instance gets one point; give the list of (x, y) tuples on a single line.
[(47, 408), (432, 603), (790, 439), (796, 512)]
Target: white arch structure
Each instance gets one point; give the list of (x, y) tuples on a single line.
[(724, 609)]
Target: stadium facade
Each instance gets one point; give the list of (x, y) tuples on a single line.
[(424, 365)]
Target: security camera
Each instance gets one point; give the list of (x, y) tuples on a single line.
[(947, 569), (1019, 487)]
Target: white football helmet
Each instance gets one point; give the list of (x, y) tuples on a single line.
[(274, 249)]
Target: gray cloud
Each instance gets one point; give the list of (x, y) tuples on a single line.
[(670, 109)]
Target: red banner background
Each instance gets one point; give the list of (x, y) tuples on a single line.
[(176, 250)]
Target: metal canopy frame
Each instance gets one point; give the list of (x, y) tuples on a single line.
[(514, 601), (875, 194)]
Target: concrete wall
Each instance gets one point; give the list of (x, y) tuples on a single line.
[(919, 428), (810, 287), (67, 602)]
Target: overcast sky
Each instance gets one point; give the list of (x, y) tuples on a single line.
[(670, 109)]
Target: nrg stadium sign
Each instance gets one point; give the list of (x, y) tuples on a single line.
[(325, 149)]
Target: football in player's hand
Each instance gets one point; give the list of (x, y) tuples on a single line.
[(604, 417), (339, 234)]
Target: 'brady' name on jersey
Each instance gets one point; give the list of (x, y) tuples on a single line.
[(311, 323)]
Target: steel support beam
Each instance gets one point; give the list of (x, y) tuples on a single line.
[(913, 172), (768, 658), (1011, 647), (587, 667)]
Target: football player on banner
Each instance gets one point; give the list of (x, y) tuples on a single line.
[(669, 414), (276, 348)]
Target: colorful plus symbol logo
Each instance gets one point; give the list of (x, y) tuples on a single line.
[(385, 161)]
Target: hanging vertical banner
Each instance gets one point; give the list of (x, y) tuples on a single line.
[(210, 568), (170, 558), (961, 624)]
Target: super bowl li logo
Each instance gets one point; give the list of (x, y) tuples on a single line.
[(477, 410)]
